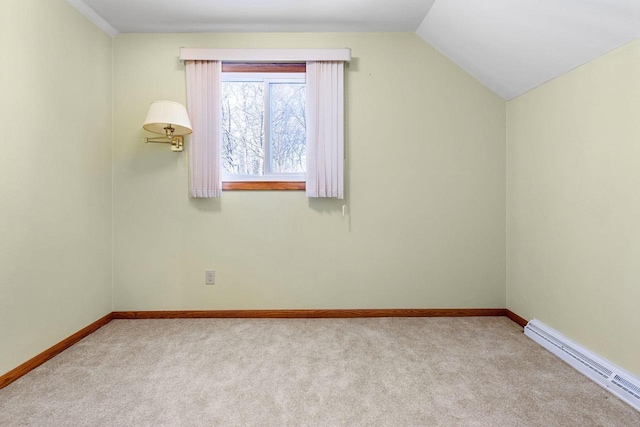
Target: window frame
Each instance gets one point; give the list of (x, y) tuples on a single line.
[(233, 71)]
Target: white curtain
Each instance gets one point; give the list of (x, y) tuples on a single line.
[(325, 129), (203, 102)]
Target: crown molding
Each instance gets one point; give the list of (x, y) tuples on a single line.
[(93, 16)]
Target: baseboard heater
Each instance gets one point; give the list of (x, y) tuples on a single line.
[(616, 380)]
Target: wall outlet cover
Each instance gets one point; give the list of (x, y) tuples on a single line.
[(210, 277)]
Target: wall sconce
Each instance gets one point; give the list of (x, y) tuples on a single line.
[(168, 118)]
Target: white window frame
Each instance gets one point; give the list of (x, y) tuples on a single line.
[(267, 78)]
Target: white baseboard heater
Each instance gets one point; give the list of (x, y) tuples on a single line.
[(616, 380)]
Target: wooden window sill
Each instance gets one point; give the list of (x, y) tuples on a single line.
[(264, 185)]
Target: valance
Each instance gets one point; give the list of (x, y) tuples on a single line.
[(265, 55)]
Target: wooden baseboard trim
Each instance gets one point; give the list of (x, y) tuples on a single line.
[(38, 360), (519, 320), (289, 314)]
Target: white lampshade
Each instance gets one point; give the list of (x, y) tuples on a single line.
[(163, 113)]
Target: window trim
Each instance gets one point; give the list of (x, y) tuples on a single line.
[(264, 67), (276, 182), (264, 185)]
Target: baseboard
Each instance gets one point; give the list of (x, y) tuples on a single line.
[(290, 314), (601, 371), (38, 360), (514, 317)]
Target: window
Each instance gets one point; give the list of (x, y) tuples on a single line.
[(263, 126), (323, 71)]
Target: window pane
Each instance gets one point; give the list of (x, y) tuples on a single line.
[(288, 153), (243, 128)]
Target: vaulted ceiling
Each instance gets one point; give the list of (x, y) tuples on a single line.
[(512, 46)]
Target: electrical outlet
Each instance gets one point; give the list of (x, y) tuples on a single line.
[(210, 277)]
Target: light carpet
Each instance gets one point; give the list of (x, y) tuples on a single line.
[(478, 371)]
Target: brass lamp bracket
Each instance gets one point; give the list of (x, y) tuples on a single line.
[(175, 141)]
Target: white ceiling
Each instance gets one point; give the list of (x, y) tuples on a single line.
[(512, 46), (180, 16)]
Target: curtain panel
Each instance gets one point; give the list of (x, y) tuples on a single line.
[(325, 129), (203, 103)]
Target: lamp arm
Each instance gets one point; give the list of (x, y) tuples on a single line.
[(177, 141)]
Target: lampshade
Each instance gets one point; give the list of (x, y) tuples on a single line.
[(164, 113)]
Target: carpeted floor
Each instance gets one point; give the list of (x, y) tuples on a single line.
[(310, 372)]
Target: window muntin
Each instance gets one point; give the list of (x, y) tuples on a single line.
[(263, 126)]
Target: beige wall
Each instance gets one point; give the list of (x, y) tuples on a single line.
[(55, 176), (431, 233), (425, 184), (573, 203)]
